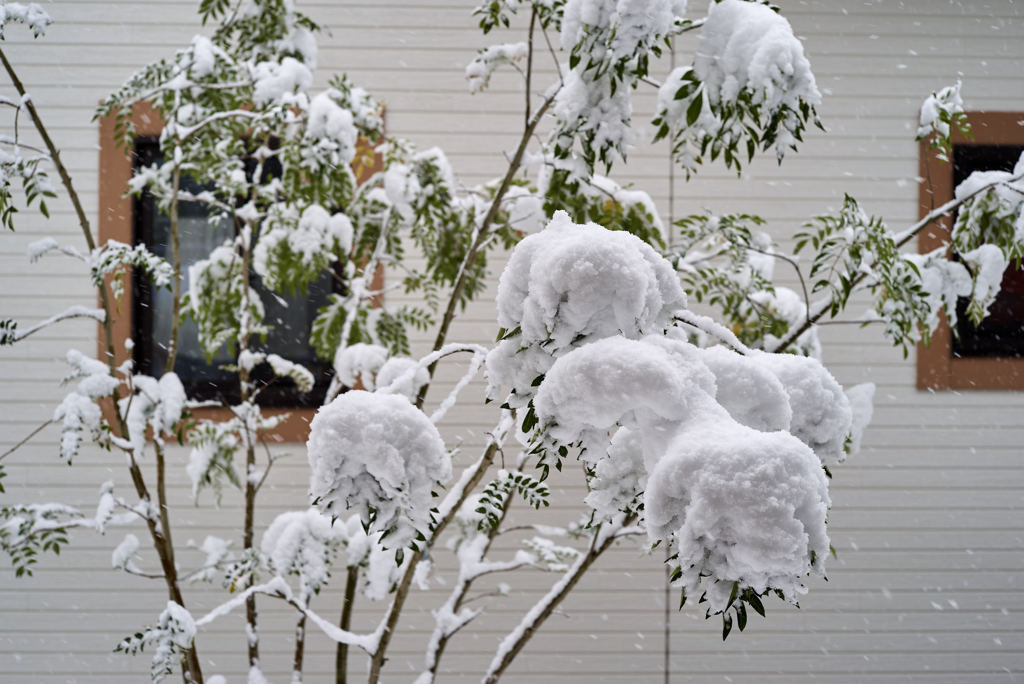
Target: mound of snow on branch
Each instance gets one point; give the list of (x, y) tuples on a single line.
[(571, 284), (380, 457)]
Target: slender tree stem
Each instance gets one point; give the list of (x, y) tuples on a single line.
[(25, 440), (529, 66), (341, 654), (460, 592), (172, 344), (482, 235), (300, 646)]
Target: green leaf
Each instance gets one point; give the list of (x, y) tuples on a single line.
[(755, 603), (693, 110)]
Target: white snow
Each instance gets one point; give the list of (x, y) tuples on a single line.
[(380, 457), (276, 80), (358, 364), (744, 506), (329, 120), (945, 103), (821, 411), (861, 399), (988, 264), (751, 393), (121, 558), (302, 543), (479, 71), (31, 14), (402, 375), (745, 46), (571, 284)]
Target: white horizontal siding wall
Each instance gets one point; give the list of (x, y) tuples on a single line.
[(927, 520)]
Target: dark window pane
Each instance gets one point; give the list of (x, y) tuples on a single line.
[(1001, 334), (289, 316)]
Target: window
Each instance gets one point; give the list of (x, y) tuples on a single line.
[(991, 356), (291, 316), (117, 221)]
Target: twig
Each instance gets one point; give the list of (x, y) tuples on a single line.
[(25, 440), (554, 56), (72, 312), (529, 64), (510, 647), (712, 327), (796, 267)]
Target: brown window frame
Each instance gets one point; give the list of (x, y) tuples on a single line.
[(116, 221), (937, 368)]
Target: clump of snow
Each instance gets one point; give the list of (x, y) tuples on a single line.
[(479, 71), (292, 244), (327, 119), (633, 25), (620, 476), (741, 504), (402, 375), (988, 264), (590, 106), (121, 558), (572, 284), (861, 399), (299, 374), (302, 543), (749, 69), (37, 248), (944, 281), (589, 390), (747, 47), (31, 14), (155, 403), (751, 393), (96, 380), (744, 506), (379, 456), (276, 80), (821, 411), (789, 306), (205, 54), (358, 364), (217, 552), (938, 109), (78, 412)]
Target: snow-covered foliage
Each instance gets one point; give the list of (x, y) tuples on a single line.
[(568, 285), (712, 435), (30, 14), (381, 457), (173, 632), (940, 113), (154, 404), (479, 71), (750, 86), (302, 543)]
